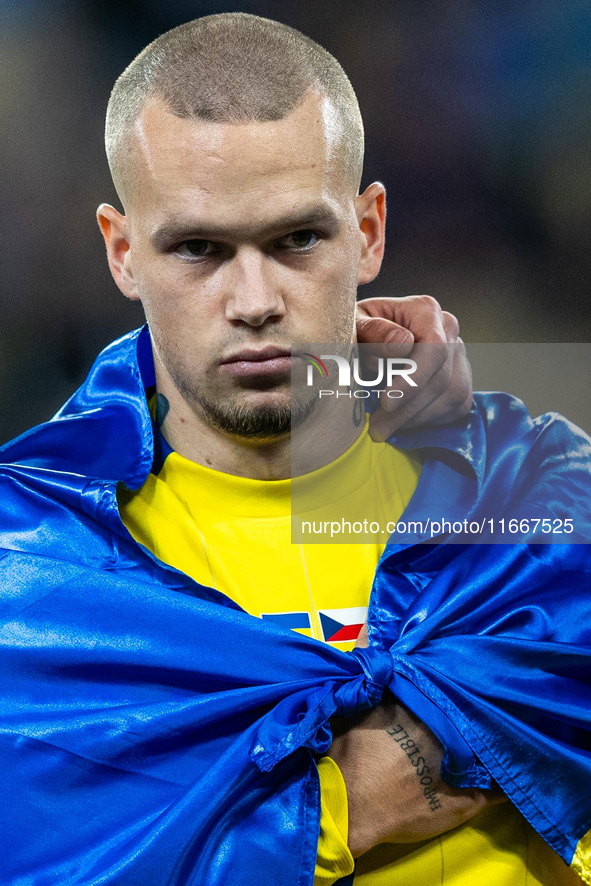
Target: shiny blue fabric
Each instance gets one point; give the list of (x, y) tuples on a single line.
[(151, 732)]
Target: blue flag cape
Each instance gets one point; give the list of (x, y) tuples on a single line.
[(152, 732)]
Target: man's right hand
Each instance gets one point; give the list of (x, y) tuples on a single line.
[(444, 389), (391, 764)]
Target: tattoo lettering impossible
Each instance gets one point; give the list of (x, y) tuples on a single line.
[(413, 753)]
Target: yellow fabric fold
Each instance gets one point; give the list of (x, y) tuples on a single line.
[(334, 858), (581, 862)]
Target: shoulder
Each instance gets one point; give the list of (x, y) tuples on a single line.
[(506, 416)]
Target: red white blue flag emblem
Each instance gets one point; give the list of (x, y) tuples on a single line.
[(342, 624)]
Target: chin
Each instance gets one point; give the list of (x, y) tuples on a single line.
[(261, 422), (263, 417)]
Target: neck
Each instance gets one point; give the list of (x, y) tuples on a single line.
[(206, 445), (194, 437)]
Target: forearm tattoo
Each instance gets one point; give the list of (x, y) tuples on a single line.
[(405, 743)]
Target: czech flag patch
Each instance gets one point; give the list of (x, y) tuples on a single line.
[(342, 624)]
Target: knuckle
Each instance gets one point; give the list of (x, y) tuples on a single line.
[(442, 388), (451, 325), (459, 401), (438, 388), (428, 302), (465, 407), (460, 386), (444, 375), (437, 356)]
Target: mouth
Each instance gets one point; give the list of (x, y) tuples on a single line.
[(248, 363)]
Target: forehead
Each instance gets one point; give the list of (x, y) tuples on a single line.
[(238, 170)]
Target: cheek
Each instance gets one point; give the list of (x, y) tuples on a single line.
[(180, 351), (157, 276), (170, 295), (338, 293)]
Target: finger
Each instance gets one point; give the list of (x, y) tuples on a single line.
[(455, 401), (426, 322), (440, 413), (379, 330), (451, 326), (433, 376), (434, 362), (380, 338), (444, 381), (421, 314)]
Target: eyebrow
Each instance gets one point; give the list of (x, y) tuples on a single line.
[(176, 230)]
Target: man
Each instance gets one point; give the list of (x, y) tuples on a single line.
[(236, 147)]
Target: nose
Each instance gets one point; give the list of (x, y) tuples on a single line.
[(254, 294)]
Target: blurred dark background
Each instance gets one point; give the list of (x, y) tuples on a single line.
[(478, 121)]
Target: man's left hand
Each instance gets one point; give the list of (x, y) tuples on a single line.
[(391, 764), (444, 389)]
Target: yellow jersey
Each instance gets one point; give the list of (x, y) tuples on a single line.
[(235, 534)]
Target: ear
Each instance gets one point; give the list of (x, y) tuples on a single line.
[(115, 230), (371, 215)]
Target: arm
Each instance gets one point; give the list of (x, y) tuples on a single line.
[(391, 764), (499, 639)]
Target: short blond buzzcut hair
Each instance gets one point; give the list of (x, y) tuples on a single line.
[(230, 68)]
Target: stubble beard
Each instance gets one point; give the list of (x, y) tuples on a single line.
[(253, 422)]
